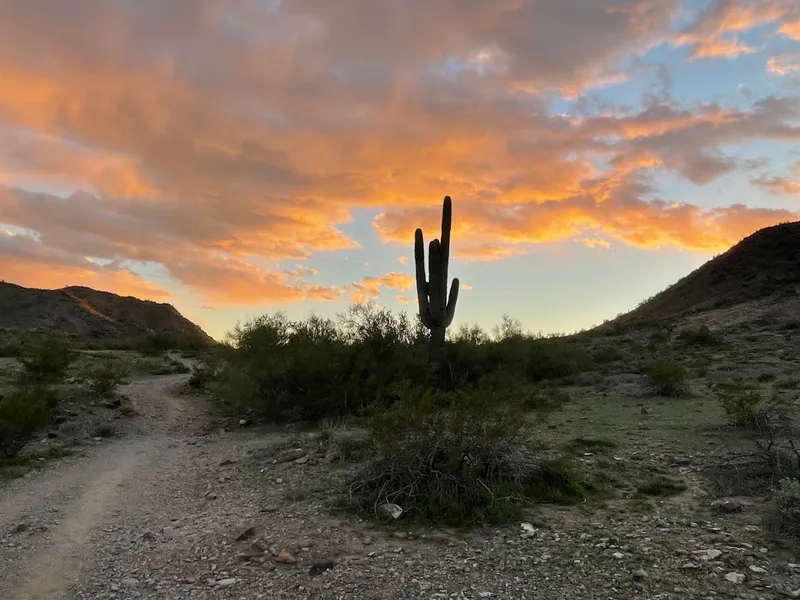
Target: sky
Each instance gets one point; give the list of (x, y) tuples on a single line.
[(238, 157)]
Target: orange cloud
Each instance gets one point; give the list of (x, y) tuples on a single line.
[(26, 261), (214, 141), (779, 186), (596, 243), (784, 64), (714, 33), (402, 299), (369, 288)]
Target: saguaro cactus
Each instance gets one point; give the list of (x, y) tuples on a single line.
[(436, 306)]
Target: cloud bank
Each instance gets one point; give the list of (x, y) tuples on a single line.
[(212, 141)]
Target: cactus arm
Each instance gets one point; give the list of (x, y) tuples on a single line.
[(451, 303), (444, 250), (422, 284)]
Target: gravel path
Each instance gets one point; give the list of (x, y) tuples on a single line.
[(173, 510)]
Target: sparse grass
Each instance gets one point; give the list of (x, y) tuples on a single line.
[(580, 445), (21, 465), (661, 485)]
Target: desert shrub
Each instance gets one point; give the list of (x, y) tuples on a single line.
[(46, 362), (104, 430), (750, 408), (22, 413), (286, 370), (345, 441), (456, 458), (528, 358), (701, 335), (658, 338), (205, 371), (305, 370), (782, 518), (665, 378), (102, 380), (607, 354), (155, 344)]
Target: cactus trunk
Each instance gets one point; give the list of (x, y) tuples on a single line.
[(436, 307)]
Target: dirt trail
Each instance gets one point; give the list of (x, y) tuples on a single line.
[(48, 522)]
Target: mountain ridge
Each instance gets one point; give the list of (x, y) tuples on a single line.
[(760, 274), (86, 313)]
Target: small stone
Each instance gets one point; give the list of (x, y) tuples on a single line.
[(302, 460), (130, 582), (734, 577), (757, 569), (728, 506), (286, 558), (618, 555), (640, 574), (227, 581), (710, 554)]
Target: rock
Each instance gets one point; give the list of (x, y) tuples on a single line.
[(21, 528), (244, 422), (302, 460), (727, 506), (321, 567), (286, 558), (227, 461), (735, 577), (270, 508), (710, 554), (246, 534), (640, 574), (757, 569), (290, 455), (114, 403), (618, 555), (130, 582), (228, 581)]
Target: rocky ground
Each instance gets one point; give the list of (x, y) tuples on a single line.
[(178, 509)]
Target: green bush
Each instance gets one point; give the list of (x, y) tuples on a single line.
[(102, 380), (285, 370), (22, 413), (456, 458), (699, 336), (46, 362), (665, 378), (782, 518)]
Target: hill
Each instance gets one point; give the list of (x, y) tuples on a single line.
[(85, 313), (757, 276)]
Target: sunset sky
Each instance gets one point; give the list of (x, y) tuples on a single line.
[(235, 157)]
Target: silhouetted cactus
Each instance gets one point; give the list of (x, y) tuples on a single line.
[(436, 306)]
